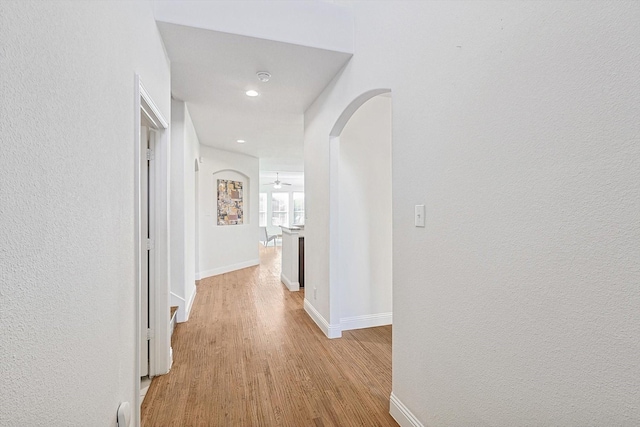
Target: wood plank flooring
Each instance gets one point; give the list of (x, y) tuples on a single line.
[(250, 356)]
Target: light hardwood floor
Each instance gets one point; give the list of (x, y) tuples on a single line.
[(250, 356)]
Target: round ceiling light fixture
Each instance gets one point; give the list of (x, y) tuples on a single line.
[(241, 141), (252, 93), (263, 76)]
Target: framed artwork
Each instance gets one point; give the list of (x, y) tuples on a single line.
[(230, 209)]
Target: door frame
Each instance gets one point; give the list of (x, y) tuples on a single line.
[(160, 344), (145, 225)]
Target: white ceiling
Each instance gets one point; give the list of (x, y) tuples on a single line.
[(211, 71)]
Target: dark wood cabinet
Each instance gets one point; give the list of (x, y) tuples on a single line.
[(301, 261)]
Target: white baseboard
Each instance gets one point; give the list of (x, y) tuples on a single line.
[(402, 414), (184, 305), (292, 286), (187, 310), (227, 269), (366, 321), (178, 301), (331, 331), (175, 297)]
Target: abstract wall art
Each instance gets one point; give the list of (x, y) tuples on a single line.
[(230, 209)]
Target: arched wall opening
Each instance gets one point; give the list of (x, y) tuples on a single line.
[(360, 289)]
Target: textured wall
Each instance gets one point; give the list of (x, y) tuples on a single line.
[(516, 124), (67, 269)]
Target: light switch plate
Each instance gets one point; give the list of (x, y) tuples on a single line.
[(419, 216)]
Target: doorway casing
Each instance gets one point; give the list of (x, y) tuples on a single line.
[(159, 328)]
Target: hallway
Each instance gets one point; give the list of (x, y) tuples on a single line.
[(250, 356)]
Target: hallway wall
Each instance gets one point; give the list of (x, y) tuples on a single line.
[(516, 124), (67, 233), (229, 247), (185, 151)]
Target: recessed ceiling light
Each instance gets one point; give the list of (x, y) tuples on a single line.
[(252, 93), (263, 76), (241, 141)]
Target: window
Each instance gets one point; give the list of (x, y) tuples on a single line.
[(298, 208), (280, 209), (263, 210)]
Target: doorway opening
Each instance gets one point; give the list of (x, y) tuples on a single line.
[(360, 248), (153, 352)]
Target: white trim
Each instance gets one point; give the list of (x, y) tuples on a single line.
[(160, 352), (366, 321), (138, 245), (159, 117), (292, 286), (154, 255), (160, 345), (227, 269), (331, 331), (402, 414), (187, 309), (174, 295), (185, 306), (353, 106)]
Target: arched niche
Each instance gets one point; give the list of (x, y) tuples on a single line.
[(234, 175)]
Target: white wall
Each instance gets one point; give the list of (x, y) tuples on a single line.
[(516, 124), (185, 151), (230, 247), (364, 218), (67, 232)]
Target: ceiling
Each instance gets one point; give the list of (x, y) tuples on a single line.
[(211, 71)]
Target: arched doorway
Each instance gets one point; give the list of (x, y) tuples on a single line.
[(360, 248)]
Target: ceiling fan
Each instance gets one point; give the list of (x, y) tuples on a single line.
[(277, 184)]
